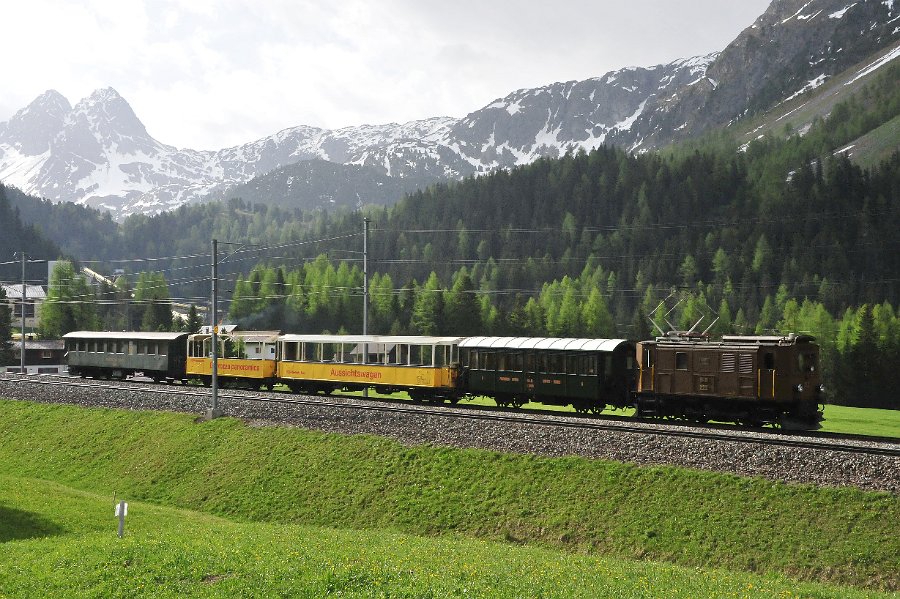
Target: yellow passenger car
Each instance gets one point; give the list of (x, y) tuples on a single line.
[(244, 358), (424, 367)]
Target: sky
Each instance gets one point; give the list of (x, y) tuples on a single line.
[(210, 74)]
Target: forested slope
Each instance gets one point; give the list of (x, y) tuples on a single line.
[(18, 234), (784, 233)]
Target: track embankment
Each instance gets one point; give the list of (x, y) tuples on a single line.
[(866, 465)]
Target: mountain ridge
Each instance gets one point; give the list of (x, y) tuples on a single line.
[(99, 154)]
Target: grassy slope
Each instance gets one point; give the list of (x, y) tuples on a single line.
[(62, 542), (862, 421), (877, 145), (302, 477)]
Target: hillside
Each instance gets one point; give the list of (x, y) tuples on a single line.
[(642, 217), (284, 476), (182, 553), (872, 81), (20, 234), (321, 185)]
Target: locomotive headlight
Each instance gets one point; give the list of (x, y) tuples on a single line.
[(821, 389), (799, 388)]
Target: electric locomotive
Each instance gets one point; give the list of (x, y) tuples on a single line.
[(752, 380)]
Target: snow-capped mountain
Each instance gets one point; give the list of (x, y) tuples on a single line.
[(99, 153), (793, 47)]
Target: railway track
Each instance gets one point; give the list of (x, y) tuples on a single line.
[(855, 444)]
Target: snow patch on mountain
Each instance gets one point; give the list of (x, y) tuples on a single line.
[(838, 14), (877, 64)]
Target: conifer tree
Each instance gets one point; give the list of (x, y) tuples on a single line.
[(461, 309), (428, 307), (7, 353), (193, 322)]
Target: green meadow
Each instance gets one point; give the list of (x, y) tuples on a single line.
[(221, 508)]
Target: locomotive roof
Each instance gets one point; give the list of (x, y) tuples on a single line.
[(553, 343), (373, 339), (137, 335), (768, 339), (734, 341)]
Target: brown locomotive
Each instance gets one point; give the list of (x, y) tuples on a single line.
[(753, 380)]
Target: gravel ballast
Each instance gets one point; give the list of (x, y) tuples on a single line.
[(531, 434)]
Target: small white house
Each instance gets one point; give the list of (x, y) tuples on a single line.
[(34, 297)]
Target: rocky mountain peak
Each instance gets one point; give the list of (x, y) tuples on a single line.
[(792, 47), (110, 118), (31, 130)]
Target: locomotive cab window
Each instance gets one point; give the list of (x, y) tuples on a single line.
[(681, 360), (769, 361)]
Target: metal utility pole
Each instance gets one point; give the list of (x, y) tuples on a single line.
[(365, 294), (214, 411), (24, 293)]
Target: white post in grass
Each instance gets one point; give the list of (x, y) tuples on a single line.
[(121, 512)]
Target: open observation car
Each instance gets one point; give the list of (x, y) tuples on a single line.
[(244, 358), (424, 367)]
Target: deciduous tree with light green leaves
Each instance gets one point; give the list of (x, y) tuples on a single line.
[(69, 305)]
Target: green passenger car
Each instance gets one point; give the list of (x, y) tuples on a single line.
[(117, 355), (589, 374)]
